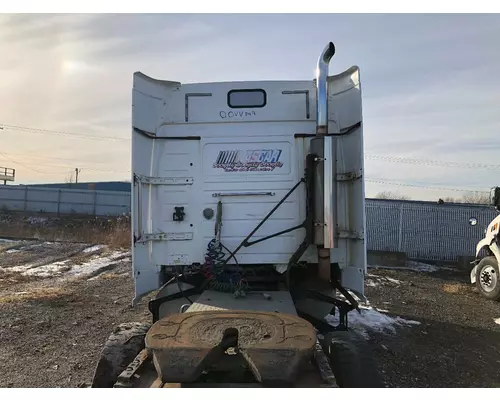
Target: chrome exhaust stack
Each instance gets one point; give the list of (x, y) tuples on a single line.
[(323, 146), (322, 90)]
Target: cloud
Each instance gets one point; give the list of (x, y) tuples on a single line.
[(430, 82)]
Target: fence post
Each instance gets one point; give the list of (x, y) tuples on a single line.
[(25, 198), (58, 201), (400, 232)]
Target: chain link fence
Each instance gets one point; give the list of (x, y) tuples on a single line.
[(422, 230), (425, 231)]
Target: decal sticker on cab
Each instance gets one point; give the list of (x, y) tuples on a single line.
[(248, 160)]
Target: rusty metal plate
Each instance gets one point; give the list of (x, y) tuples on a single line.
[(275, 346)]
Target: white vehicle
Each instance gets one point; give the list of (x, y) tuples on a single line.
[(248, 217), (485, 274)]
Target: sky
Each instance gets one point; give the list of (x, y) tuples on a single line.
[(430, 87)]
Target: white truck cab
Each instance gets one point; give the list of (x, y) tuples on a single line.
[(485, 274), (210, 161), (248, 220)]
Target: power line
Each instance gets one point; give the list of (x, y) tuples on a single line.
[(53, 158), (28, 167), (84, 167), (412, 161), (70, 168), (371, 180), (64, 133), (383, 158), (449, 164), (405, 160), (425, 186)]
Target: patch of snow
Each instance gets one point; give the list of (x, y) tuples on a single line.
[(99, 276), (371, 319), (403, 321), (497, 321), (19, 268), (7, 241), (93, 249), (63, 269), (48, 270), (13, 251), (377, 280), (418, 266), (414, 266), (30, 246), (37, 220), (96, 264), (371, 283), (392, 280)]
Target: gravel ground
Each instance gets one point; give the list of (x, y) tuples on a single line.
[(52, 329), (458, 341)]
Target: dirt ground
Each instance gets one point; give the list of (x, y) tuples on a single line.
[(54, 323), (457, 343), (52, 328)]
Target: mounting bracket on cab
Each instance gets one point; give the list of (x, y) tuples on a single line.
[(179, 214)]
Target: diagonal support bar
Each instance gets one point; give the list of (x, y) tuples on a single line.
[(242, 244)]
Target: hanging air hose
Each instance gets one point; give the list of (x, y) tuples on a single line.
[(214, 270)]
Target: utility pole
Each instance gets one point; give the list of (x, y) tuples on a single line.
[(77, 170)]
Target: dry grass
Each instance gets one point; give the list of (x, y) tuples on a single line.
[(114, 232), (115, 235), (6, 246), (82, 258), (111, 275), (41, 294), (8, 277), (455, 288)]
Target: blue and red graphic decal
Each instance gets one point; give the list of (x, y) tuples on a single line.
[(248, 160)]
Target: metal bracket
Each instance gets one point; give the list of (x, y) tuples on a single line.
[(169, 237), (350, 235), (343, 234), (349, 176), (150, 180), (343, 307), (179, 214)]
